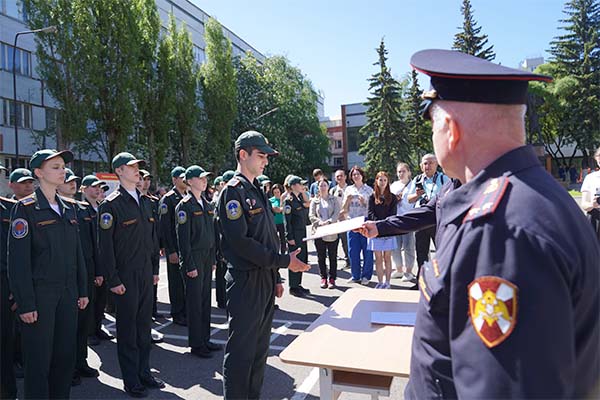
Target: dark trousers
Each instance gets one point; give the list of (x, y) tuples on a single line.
[(422, 245), (250, 303), (101, 293), (176, 290), (134, 321), (325, 249), (49, 353), (282, 240), (343, 239), (8, 383), (295, 278), (197, 299), (85, 326)]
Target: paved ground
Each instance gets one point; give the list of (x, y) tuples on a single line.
[(188, 377)]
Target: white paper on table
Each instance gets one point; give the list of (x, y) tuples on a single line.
[(337, 227), (393, 318)]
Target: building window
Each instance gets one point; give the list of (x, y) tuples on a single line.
[(14, 8), (198, 55), (22, 59), (337, 144), (23, 114), (354, 138), (51, 119), (338, 161)]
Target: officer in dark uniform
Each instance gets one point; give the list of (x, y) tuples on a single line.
[(46, 270), (250, 245), (510, 304), (169, 239), (8, 383), (196, 240), (127, 242), (295, 217)]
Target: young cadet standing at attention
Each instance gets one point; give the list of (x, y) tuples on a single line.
[(127, 242), (87, 235), (196, 240), (296, 215), (169, 239), (250, 245), (46, 269)]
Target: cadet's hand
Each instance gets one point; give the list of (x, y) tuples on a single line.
[(161, 252), (82, 302), (278, 290), (13, 308), (369, 229), (173, 258), (292, 242), (155, 279), (29, 318), (295, 264), (99, 280), (118, 289), (193, 273)]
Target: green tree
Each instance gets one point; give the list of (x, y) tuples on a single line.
[(469, 40), (418, 129), (387, 141), (219, 93), (577, 55)]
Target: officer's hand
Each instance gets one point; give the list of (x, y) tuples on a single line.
[(120, 290), (193, 273), (82, 302), (29, 318), (369, 229), (99, 280), (292, 242), (173, 258), (278, 290), (295, 264), (155, 279)]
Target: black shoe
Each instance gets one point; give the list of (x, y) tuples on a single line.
[(100, 334), (87, 372), (137, 391), (157, 338), (296, 292), (201, 352), (93, 340), (153, 383), (276, 306), (76, 380), (304, 290), (211, 346), (180, 321)]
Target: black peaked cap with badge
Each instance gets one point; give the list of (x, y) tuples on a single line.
[(457, 76)]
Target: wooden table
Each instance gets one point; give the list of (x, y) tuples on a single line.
[(352, 353)]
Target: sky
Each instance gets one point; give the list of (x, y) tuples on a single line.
[(334, 42)]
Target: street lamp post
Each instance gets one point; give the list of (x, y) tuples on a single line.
[(48, 29)]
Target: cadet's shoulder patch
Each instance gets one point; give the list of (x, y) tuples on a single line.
[(151, 197), (20, 228), (493, 308), (181, 217), (287, 209), (29, 200), (113, 195), (68, 200), (170, 193), (163, 209), (233, 182), (186, 198), (233, 209), (106, 220), (488, 200)]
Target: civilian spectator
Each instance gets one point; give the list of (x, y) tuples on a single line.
[(338, 192), (404, 255), (277, 207), (314, 187), (590, 196)]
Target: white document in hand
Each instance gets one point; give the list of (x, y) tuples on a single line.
[(338, 227)]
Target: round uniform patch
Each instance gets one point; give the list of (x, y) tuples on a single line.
[(163, 209), (233, 209), (106, 221), (20, 228), (181, 217), (287, 209)]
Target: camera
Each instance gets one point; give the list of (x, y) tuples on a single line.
[(419, 186)]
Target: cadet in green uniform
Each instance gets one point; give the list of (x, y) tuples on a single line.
[(196, 240), (220, 284), (8, 383), (169, 239), (295, 218), (20, 182), (46, 270), (250, 245), (127, 242)]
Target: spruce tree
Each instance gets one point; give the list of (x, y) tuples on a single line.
[(469, 40), (419, 130), (386, 139)]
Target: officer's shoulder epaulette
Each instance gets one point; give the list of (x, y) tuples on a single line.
[(488, 200), (113, 195), (29, 200), (7, 200), (233, 182)]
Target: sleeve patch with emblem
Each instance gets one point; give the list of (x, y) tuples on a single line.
[(163, 208), (181, 217), (287, 209), (20, 228), (106, 221), (493, 308), (233, 208)]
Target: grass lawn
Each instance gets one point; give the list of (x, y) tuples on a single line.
[(575, 193)]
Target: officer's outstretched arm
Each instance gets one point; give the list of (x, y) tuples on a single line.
[(19, 260)]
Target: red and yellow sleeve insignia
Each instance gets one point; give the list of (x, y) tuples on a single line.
[(493, 308), (488, 200)]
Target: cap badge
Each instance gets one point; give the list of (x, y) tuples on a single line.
[(429, 95), (493, 308)]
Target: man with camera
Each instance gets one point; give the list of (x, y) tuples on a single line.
[(422, 189), (590, 196)]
